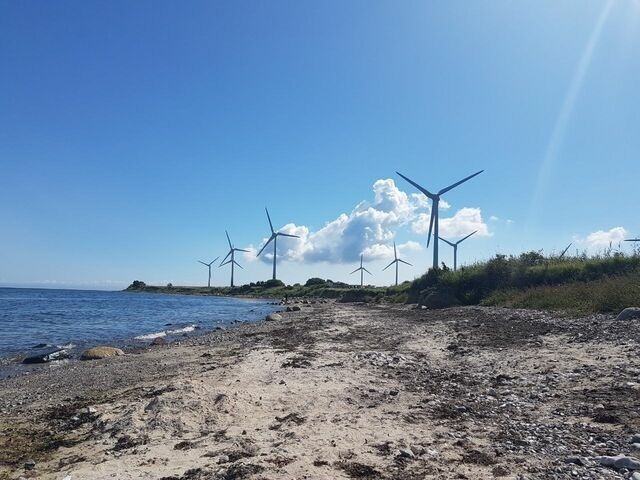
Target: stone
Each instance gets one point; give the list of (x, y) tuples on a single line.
[(635, 438), (30, 464), (159, 341), (630, 463), (631, 313), (406, 453), (48, 356), (273, 317), (635, 476), (295, 308), (575, 460), (97, 353)]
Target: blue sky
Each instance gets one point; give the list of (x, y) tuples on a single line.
[(133, 135)]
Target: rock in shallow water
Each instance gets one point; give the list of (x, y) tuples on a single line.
[(48, 356), (272, 317), (97, 353)]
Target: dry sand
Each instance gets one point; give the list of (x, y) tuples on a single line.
[(336, 392)]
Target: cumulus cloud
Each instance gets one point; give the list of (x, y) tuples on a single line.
[(463, 222), (370, 228), (602, 238)]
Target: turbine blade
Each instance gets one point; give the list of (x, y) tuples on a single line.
[(225, 263), (357, 269), (222, 263), (433, 214), (423, 190), (269, 218), (389, 265), (238, 265), (446, 241), (450, 187), (462, 240), (215, 259), (288, 235), (395, 252), (241, 250), (406, 263), (265, 245), (629, 240), (367, 271), (200, 261), (228, 239)]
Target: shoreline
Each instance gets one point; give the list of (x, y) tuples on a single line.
[(340, 391)]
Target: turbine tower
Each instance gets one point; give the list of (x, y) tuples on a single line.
[(209, 266), (274, 236), (396, 260), (362, 270), (435, 201), (231, 256), (455, 248)]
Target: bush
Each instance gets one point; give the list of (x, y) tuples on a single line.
[(314, 281), (273, 283)]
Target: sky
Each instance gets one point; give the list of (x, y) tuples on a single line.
[(132, 135)]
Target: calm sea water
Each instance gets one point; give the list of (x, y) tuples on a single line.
[(80, 317)]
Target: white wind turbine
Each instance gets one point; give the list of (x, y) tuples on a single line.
[(361, 269), (231, 256), (455, 248), (435, 201), (208, 265), (396, 260), (274, 237)]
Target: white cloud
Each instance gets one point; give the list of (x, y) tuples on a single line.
[(603, 238), (463, 222), (493, 218), (370, 228)]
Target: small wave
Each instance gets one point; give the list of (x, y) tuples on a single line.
[(164, 333)]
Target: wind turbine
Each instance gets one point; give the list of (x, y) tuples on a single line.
[(455, 248), (396, 260), (362, 270), (565, 250), (274, 237), (435, 201), (232, 260), (209, 265)]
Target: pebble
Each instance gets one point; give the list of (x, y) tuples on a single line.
[(635, 438), (30, 464), (405, 453)]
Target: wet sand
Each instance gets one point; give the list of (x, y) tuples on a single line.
[(338, 391)]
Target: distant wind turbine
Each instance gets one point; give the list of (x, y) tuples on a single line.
[(632, 240), (361, 269), (565, 250), (396, 260), (435, 201), (274, 236), (231, 256), (209, 266), (455, 248)]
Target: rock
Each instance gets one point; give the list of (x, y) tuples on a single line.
[(635, 438), (630, 463), (406, 453), (619, 462), (48, 356), (30, 464), (273, 317), (40, 345), (223, 459), (159, 341), (635, 476), (635, 446), (631, 313), (97, 353), (575, 460)]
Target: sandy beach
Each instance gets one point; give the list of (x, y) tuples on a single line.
[(339, 391)]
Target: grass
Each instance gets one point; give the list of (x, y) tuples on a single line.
[(603, 283)]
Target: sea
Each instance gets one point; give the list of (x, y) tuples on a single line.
[(32, 320)]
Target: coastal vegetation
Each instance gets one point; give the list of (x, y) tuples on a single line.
[(606, 283)]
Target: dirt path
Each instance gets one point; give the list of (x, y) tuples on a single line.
[(337, 392)]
